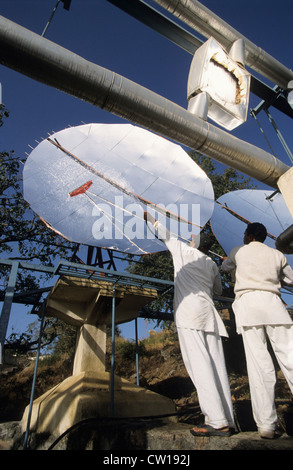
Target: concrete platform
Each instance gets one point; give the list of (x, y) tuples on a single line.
[(136, 435), (87, 397), (178, 437)]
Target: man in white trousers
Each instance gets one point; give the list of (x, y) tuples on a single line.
[(199, 327), (261, 314)]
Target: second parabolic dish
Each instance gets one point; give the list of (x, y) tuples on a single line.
[(234, 210), (92, 183)]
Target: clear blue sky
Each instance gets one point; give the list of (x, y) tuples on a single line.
[(105, 35)]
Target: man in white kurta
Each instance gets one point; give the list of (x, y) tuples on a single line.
[(260, 313), (199, 326)]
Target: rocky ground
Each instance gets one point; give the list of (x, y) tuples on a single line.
[(161, 369)]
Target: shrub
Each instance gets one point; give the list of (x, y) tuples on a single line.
[(127, 349)]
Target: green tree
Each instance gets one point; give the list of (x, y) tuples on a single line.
[(223, 182), (23, 235)]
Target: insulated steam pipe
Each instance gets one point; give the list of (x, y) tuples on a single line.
[(284, 242), (49, 63), (207, 23)]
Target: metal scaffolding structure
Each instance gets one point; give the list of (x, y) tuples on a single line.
[(66, 268)]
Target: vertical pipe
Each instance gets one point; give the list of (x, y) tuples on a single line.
[(34, 377), (136, 353), (112, 356)]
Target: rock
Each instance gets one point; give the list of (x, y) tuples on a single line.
[(8, 432)]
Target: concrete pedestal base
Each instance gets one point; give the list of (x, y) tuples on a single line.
[(87, 395)]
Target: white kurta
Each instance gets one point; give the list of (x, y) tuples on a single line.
[(196, 279), (260, 271), (260, 313), (199, 326)]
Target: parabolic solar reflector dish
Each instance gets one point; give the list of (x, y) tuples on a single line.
[(92, 184), (234, 210)]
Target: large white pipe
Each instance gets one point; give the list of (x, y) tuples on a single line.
[(45, 61), (209, 24)]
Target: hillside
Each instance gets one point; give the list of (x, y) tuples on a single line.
[(161, 369)]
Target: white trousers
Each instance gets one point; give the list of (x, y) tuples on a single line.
[(204, 360), (261, 370)]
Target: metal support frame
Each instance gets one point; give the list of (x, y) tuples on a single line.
[(280, 136), (66, 6), (136, 353), (206, 22), (70, 269), (152, 18), (117, 277), (264, 105), (183, 38), (14, 265), (81, 271), (7, 304), (89, 272), (113, 353)]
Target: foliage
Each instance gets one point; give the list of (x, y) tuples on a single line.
[(158, 340), (4, 113), (62, 337), (57, 338), (21, 344), (23, 234), (128, 349), (223, 182)]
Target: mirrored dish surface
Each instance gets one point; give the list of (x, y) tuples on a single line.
[(92, 184), (234, 210)]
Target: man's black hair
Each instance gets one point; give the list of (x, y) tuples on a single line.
[(205, 242), (258, 231)]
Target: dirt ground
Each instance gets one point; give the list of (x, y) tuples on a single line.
[(161, 370)]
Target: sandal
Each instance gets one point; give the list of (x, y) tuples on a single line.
[(206, 430)]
